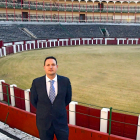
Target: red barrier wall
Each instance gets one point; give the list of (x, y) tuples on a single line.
[(44, 44), (40, 45), (94, 122), (122, 129), (32, 46), (32, 108), (79, 117), (67, 108), (4, 111), (56, 43), (1, 43), (36, 44), (80, 133), (88, 116), (19, 98), (103, 41), (20, 47), (111, 42), (4, 88), (91, 116), (24, 47), (114, 137), (139, 41), (26, 122), (48, 44), (9, 50), (16, 48)]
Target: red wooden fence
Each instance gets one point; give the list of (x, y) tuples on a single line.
[(71, 41), (26, 122), (19, 98), (85, 116), (121, 128), (6, 87)]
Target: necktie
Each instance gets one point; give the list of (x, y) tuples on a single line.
[(52, 91)]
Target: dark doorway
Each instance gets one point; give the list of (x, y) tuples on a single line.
[(20, 1), (25, 16), (100, 6), (82, 17)]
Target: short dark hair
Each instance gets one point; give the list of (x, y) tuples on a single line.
[(50, 57)]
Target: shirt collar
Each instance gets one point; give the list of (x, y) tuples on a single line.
[(55, 78)]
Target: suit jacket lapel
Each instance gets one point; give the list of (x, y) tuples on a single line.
[(45, 88), (44, 84), (58, 84)]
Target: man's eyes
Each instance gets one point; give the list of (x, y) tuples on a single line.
[(52, 65)]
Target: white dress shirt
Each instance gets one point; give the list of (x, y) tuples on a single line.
[(48, 85)]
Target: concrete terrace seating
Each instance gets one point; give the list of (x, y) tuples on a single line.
[(46, 31), (10, 33), (84, 31), (122, 31), (64, 31)]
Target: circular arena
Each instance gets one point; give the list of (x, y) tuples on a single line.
[(97, 47)]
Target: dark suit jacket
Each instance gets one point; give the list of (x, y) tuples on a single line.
[(48, 113)]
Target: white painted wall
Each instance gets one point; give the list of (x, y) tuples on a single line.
[(12, 94), (138, 129), (1, 90), (27, 100), (72, 112), (103, 121)]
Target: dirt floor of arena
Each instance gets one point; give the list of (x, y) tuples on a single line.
[(106, 76)]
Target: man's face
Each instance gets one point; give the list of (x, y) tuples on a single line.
[(50, 67)]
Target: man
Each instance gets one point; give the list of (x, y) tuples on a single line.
[(50, 94)]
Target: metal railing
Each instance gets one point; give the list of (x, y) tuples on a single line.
[(68, 7), (63, 18), (110, 110)]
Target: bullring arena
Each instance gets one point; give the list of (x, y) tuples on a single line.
[(97, 46)]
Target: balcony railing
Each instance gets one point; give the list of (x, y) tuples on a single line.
[(68, 7), (63, 18)]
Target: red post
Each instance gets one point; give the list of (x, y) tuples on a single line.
[(36, 11), (14, 10), (79, 11), (128, 11), (93, 11), (44, 10), (58, 11), (114, 11), (29, 9), (1, 43), (107, 12), (72, 10), (65, 10), (121, 11), (51, 9), (100, 12), (86, 11), (6, 11), (22, 8), (135, 12)]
